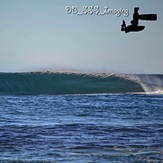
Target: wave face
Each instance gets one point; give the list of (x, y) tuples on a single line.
[(35, 83), (65, 83)]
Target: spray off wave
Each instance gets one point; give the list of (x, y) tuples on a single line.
[(54, 83), (151, 84)]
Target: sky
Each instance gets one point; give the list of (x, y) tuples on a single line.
[(39, 35)]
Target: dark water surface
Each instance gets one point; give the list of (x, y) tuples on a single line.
[(104, 128)]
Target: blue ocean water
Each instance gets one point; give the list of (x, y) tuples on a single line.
[(81, 128), (105, 127)]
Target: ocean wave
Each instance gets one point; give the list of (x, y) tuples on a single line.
[(54, 83)]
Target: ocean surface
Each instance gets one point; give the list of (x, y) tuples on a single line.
[(81, 118)]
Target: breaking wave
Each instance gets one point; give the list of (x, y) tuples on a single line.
[(53, 83)]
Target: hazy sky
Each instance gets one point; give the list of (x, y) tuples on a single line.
[(38, 35)]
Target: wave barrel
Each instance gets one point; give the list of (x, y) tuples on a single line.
[(151, 17)]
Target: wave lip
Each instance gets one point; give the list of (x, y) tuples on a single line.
[(54, 83)]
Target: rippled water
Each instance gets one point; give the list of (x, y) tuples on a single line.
[(82, 128)]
